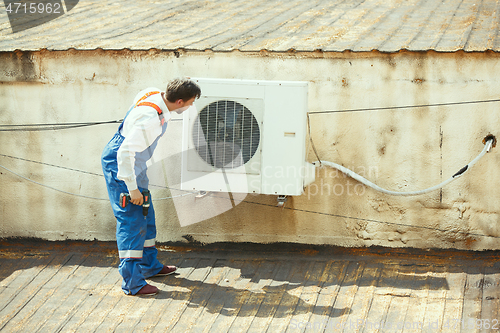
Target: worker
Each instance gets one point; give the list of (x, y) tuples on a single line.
[(124, 165)]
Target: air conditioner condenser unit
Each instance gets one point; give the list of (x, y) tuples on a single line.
[(247, 136)]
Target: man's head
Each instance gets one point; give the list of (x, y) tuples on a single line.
[(180, 94)]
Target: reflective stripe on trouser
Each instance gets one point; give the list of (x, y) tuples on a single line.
[(137, 262)]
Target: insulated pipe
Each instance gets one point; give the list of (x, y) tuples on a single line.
[(489, 141)]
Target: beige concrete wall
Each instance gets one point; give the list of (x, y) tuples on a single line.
[(404, 149)]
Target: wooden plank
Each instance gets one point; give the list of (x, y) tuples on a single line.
[(11, 265), (333, 276), (473, 297), (364, 296), (288, 302), (120, 310), (382, 297), (180, 298), (436, 299), (169, 285), (200, 297), (490, 316), (225, 303), (27, 285), (17, 278), (112, 299), (308, 297), (415, 315), (400, 298), (81, 288), (241, 319), (80, 314), (341, 307), (36, 312), (456, 277), (273, 295), (142, 306)]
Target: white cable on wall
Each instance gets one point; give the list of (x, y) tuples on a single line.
[(85, 196), (489, 142)]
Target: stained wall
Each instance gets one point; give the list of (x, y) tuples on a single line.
[(398, 149)]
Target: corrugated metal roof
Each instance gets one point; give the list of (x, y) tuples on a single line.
[(226, 25)]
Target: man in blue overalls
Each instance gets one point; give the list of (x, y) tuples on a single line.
[(124, 165)]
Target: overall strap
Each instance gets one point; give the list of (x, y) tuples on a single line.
[(156, 107)]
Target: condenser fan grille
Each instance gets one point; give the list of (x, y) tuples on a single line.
[(226, 134)]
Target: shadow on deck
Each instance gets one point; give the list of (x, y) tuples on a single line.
[(75, 286)]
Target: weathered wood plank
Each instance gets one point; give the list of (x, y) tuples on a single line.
[(343, 302), (90, 300), (52, 294), (115, 304), (415, 315), (290, 298), (436, 299), (12, 264), (398, 308), (377, 314), (490, 316), (364, 296), (473, 297), (142, 307), (200, 297), (80, 292), (181, 297), (334, 274), (17, 279), (308, 297), (159, 303), (226, 301), (456, 278), (241, 319), (27, 286), (274, 293)]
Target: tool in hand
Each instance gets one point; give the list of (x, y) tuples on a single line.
[(125, 199)]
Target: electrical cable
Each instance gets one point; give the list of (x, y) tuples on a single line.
[(368, 183), (51, 127), (50, 187), (53, 165), (268, 205), (215, 195), (374, 221), (85, 196), (406, 106), (59, 126)]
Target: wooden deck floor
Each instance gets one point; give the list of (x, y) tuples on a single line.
[(75, 287)]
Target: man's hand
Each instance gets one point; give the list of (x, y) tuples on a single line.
[(136, 197)]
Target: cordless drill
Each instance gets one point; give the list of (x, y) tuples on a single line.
[(125, 198)]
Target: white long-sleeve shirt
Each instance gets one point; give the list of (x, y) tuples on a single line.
[(141, 128)]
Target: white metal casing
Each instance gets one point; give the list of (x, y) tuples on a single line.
[(278, 165)]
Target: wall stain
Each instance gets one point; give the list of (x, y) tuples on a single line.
[(18, 66)]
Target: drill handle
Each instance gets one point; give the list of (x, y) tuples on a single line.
[(147, 198)]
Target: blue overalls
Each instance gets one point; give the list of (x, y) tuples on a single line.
[(135, 233)]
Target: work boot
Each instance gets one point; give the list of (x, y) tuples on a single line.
[(166, 270), (147, 290)]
